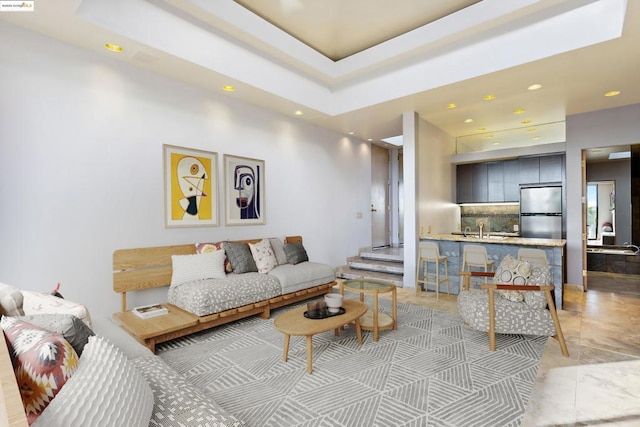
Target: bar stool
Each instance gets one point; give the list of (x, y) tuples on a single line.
[(476, 256), (534, 256), (429, 252)]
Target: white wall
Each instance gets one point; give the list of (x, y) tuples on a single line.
[(428, 184), (81, 172), (615, 126), (437, 210)]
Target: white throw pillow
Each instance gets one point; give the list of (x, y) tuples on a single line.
[(263, 256), (187, 268), (10, 300), (105, 391)]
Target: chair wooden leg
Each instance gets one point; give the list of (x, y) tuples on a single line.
[(556, 322), (418, 277), (492, 321)]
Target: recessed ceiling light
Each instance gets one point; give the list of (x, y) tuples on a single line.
[(450, 106), (114, 47), (496, 143), (298, 113), (525, 122), (369, 139), (518, 111), (490, 136), (228, 88), (535, 86), (468, 121), (489, 97), (351, 133), (481, 129), (537, 137), (532, 130), (612, 93)]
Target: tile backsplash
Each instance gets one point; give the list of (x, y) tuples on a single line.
[(496, 218)]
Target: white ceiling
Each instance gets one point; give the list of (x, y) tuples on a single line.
[(390, 57)]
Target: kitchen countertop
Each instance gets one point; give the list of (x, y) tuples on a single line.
[(497, 238)]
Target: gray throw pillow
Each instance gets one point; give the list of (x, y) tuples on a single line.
[(69, 326), (295, 253), (278, 250), (240, 257)]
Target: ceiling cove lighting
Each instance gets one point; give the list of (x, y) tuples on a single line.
[(489, 97), (450, 106), (534, 86), (620, 155), (228, 88), (612, 93), (114, 47)]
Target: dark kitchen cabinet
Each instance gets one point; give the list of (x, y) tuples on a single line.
[(479, 183), (529, 170), (551, 168), (511, 181), (495, 182), (464, 178), (500, 181)]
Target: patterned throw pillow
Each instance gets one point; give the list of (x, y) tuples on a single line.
[(43, 362), (203, 248), (512, 272), (69, 326), (240, 257), (263, 256), (296, 253)]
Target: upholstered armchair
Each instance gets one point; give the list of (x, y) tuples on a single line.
[(519, 301)]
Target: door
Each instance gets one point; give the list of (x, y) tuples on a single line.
[(583, 168), (379, 196)]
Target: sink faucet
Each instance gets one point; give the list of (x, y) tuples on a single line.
[(466, 230), (481, 230)]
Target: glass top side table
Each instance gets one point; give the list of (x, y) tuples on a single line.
[(374, 320)]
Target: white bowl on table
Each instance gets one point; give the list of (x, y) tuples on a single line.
[(334, 302)]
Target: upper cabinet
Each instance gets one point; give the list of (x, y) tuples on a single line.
[(500, 181)]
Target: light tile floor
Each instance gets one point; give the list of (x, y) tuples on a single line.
[(599, 384)]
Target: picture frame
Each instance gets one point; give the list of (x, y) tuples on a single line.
[(190, 187), (244, 186)]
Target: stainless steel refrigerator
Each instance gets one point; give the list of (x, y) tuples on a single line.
[(541, 212)]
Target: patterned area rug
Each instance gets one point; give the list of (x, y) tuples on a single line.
[(432, 371)]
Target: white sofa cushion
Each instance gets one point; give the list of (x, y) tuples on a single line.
[(106, 390), (304, 275), (208, 265)]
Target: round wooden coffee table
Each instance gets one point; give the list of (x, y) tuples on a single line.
[(293, 322)]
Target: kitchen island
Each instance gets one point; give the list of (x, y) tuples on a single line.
[(498, 246)]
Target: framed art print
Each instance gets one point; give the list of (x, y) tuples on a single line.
[(244, 190), (190, 187)]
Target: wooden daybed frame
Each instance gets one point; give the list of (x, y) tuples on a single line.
[(146, 268)]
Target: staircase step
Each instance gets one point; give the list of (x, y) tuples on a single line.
[(389, 255), (344, 272), (359, 263)]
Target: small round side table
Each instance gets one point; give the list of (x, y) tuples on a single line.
[(373, 320)]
